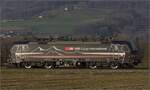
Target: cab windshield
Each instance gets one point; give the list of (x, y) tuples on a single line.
[(20, 48), (120, 48)]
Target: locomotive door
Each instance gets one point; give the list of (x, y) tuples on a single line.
[(115, 51)]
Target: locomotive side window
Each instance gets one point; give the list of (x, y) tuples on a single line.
[(114, 47)]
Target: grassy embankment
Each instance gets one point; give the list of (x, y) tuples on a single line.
[(74, 79)]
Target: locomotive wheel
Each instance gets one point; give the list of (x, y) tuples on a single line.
[(48, 66), (27, 65), (114, 65), (93, 67), (78, 63)]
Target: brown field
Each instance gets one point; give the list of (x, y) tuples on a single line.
[(74, 79)]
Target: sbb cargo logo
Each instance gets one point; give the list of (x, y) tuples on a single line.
[(72, 48), (68, 48)]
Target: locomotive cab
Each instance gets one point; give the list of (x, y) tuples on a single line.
[(133, 55), (15, 50)]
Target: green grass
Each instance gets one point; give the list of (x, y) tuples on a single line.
[(63, 22), (74, 79)]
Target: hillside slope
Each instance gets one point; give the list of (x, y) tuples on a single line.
[(129, 19)]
